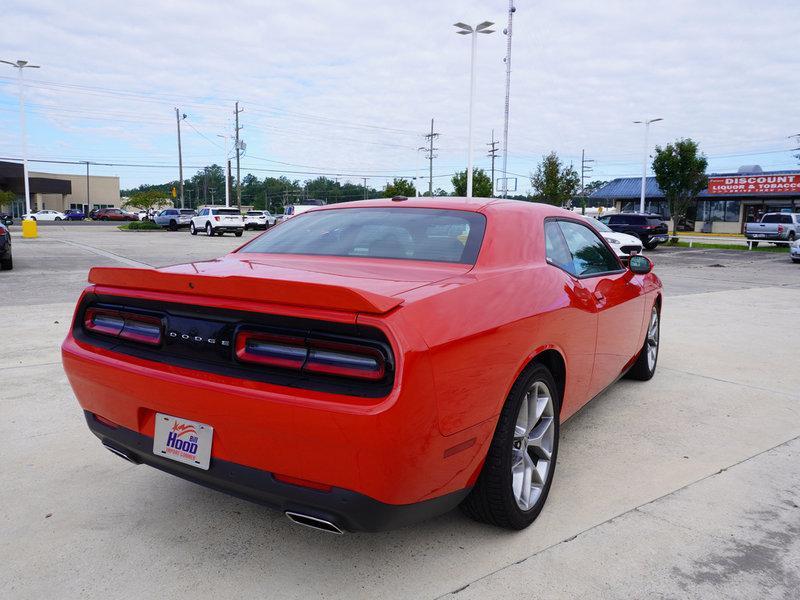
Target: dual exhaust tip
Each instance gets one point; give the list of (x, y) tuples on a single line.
[(295, 517)]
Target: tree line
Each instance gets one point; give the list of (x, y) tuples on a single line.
[(680, 170)]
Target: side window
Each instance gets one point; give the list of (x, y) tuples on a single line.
[(556, 249), (786, 219), (589, 254)]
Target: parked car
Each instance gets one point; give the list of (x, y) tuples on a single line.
[(774, 227), (45, 215), (6, 261), (217, 221), (794, 251), (368, 364), (649, 228), (258, 219), (622, 244), (114, 214), (174, 218), (6, 219), (73, 214)]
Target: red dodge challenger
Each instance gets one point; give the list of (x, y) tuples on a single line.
[(370, 364)]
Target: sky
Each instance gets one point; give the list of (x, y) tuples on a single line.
[(347, 88)]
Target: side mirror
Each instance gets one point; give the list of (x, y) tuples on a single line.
[(640, 265)]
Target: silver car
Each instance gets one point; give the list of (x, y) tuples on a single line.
[(174, 218)]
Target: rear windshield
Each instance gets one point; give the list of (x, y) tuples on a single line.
[(187, 211), (226, 211), (428, 234), (254, 213), (654, 221)]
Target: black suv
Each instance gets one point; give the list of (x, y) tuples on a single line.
[(5, 249), (651, 229)]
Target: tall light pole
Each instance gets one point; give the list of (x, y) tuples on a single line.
[(646, 124), (20, 65), (511, 10), (464, 29), (180, 154)]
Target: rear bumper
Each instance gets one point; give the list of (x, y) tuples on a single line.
[(348, 510), (228, 228), (766, 237)]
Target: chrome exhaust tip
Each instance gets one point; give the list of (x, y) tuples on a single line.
[(313, 522), (121, 454)]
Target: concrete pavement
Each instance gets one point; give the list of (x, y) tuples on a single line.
[(685, 486)]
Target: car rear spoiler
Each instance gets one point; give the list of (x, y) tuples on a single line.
[(277, 291)]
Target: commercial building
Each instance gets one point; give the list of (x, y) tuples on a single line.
[(57, 191), (729, 201)]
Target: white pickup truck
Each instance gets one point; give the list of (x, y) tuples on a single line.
[(774, 227)]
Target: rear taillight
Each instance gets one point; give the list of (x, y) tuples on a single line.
[(216, 218), (144, 329), (326, 357), (271, 350), (345, 360), (780, 228)]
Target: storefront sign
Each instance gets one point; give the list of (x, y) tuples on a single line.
[(754, 184)]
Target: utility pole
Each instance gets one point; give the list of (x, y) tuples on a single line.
[(492, 154), (180, 154), (511, 10), (586, 168), (238, 155), (430, 156), (87, 185)]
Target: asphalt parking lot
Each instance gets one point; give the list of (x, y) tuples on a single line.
[(687, 486)]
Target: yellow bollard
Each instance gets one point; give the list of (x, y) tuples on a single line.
[(30, 229)]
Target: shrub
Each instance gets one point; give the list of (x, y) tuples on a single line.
[(140, 226)]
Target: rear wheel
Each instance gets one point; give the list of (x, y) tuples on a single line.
[(58, 218), (645, 366), (238, 233), (6, 264), (518, 471), (791, 236), (192, 229), (209, 230), (173, 225)]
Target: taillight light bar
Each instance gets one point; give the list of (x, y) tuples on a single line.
[(326, 357), (143, 329)]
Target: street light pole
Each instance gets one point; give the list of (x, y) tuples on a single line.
[(19, 65), (465, 29), (646, 124)]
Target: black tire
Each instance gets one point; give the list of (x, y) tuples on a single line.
[(796, 260), (220, 233), (33, 218), (192, 229), (104, 218), (173, 225), (791, 236), (492, 499), (650, 245), (642, 370), (238, 233), (754, 244), (58, 218), (209, 230), (6, 264)]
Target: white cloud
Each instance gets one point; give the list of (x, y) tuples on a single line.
[(723, 73)]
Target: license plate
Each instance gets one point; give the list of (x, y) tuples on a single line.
[(182, 440), (758, 235), (660, 238)]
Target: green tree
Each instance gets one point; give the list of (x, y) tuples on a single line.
[(481, 184), (553, 182), (147, 200), (680, 171), (6, 198), (593, 186), (400, 187)]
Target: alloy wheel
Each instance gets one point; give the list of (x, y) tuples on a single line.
[(652, 340), (532, 449)]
